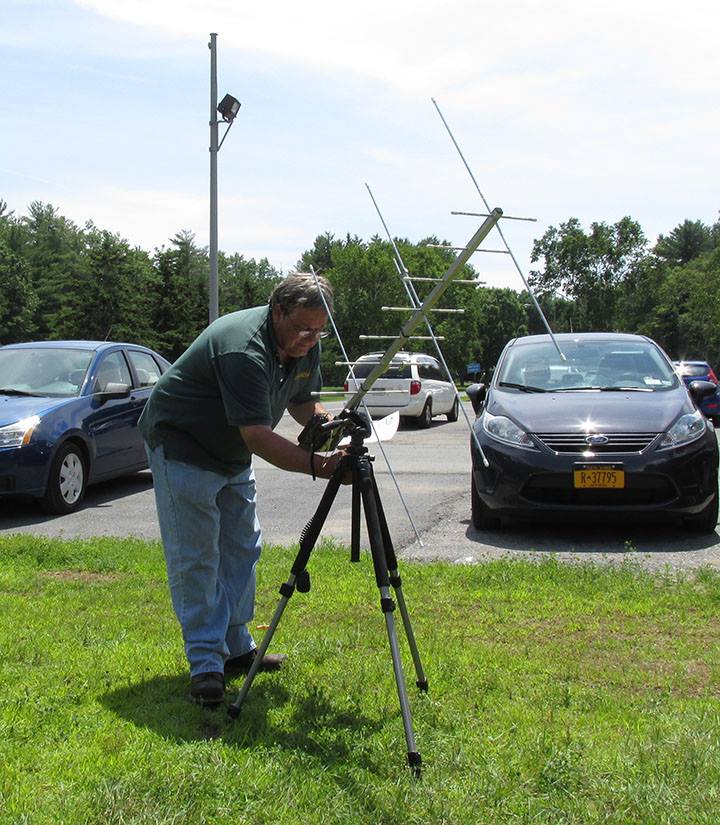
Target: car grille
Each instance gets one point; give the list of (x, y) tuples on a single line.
[(617, 442), (557, 489)]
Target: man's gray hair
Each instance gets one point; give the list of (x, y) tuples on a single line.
[(300, 291)]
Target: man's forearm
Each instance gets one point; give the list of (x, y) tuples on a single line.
[(280, 452)]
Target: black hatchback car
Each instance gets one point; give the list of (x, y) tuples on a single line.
[(602, 426)]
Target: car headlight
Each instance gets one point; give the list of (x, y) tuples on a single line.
[(18, 434), (505, 430), (687, 428)]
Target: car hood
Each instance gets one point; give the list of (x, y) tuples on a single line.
[(622, 411), (16, 407)]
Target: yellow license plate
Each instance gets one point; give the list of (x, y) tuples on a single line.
[(599, 478)]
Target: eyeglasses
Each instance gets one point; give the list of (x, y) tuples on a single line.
[(303, 332)]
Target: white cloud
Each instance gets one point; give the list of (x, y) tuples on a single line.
[(467, 50), (385, 155)]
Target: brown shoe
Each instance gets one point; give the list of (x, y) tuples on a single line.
[(207, 689), (241, 664)]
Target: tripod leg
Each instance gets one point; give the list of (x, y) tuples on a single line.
[(298, 578), (387, 605), (355, 520), (396, 582), (286, 590)]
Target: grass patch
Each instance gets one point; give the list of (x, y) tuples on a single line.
[(558, 694)]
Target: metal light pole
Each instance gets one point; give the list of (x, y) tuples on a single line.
[(213, 282), (228, 109)]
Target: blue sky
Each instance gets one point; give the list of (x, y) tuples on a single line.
[(562, 109)]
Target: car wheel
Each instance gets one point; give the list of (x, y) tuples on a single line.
[(453, 414), (481, 518), (425, 418), (706, 521), (66, 482)]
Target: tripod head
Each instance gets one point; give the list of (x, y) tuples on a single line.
[(322, 434), (359, 428)]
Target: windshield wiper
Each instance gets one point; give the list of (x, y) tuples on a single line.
[(13, 391), (604, 389), (523, 387), (576, 389), (625, 389)]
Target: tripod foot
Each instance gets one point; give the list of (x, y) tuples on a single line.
[(415, 763), (234, 711), (423, 685)]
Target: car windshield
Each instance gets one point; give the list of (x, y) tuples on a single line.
[(44, 371), (589, 365)]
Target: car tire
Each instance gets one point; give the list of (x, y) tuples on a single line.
[(66, 481), (706, 521), (425, 418), (454, 411), (481, 518)]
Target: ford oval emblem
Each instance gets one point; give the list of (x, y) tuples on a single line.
[(596, 440)]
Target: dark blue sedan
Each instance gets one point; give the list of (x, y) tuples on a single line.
[(68, 416)]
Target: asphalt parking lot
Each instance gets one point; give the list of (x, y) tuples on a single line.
[(432, 470)]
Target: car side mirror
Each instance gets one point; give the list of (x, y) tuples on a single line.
[(700, 390), (114, 390), (476, 393)]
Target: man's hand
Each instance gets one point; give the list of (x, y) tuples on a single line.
[(325, 467), (313, 436)]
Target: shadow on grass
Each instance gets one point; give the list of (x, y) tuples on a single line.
[(310, 720)]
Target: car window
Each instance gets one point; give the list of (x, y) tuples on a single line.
[(113, 369), (362, 370), (56, 372), (145, 367), (430, 371), (693, 370)]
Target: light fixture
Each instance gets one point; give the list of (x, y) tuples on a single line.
[(228, 108)]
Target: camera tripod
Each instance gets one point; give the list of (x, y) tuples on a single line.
[(365, 490)]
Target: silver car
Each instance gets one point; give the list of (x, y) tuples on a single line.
[(414, 384)]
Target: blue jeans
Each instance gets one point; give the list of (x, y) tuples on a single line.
[(211, 537)]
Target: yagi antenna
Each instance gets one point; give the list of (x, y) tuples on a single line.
[(500, 232)]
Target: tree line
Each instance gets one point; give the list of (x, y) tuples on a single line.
[(63, 281)]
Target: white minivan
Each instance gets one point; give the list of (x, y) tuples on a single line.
[(414, 384)]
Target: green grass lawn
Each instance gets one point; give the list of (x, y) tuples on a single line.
[(558, 694)]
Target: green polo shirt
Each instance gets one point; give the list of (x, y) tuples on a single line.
[(229, 377)]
